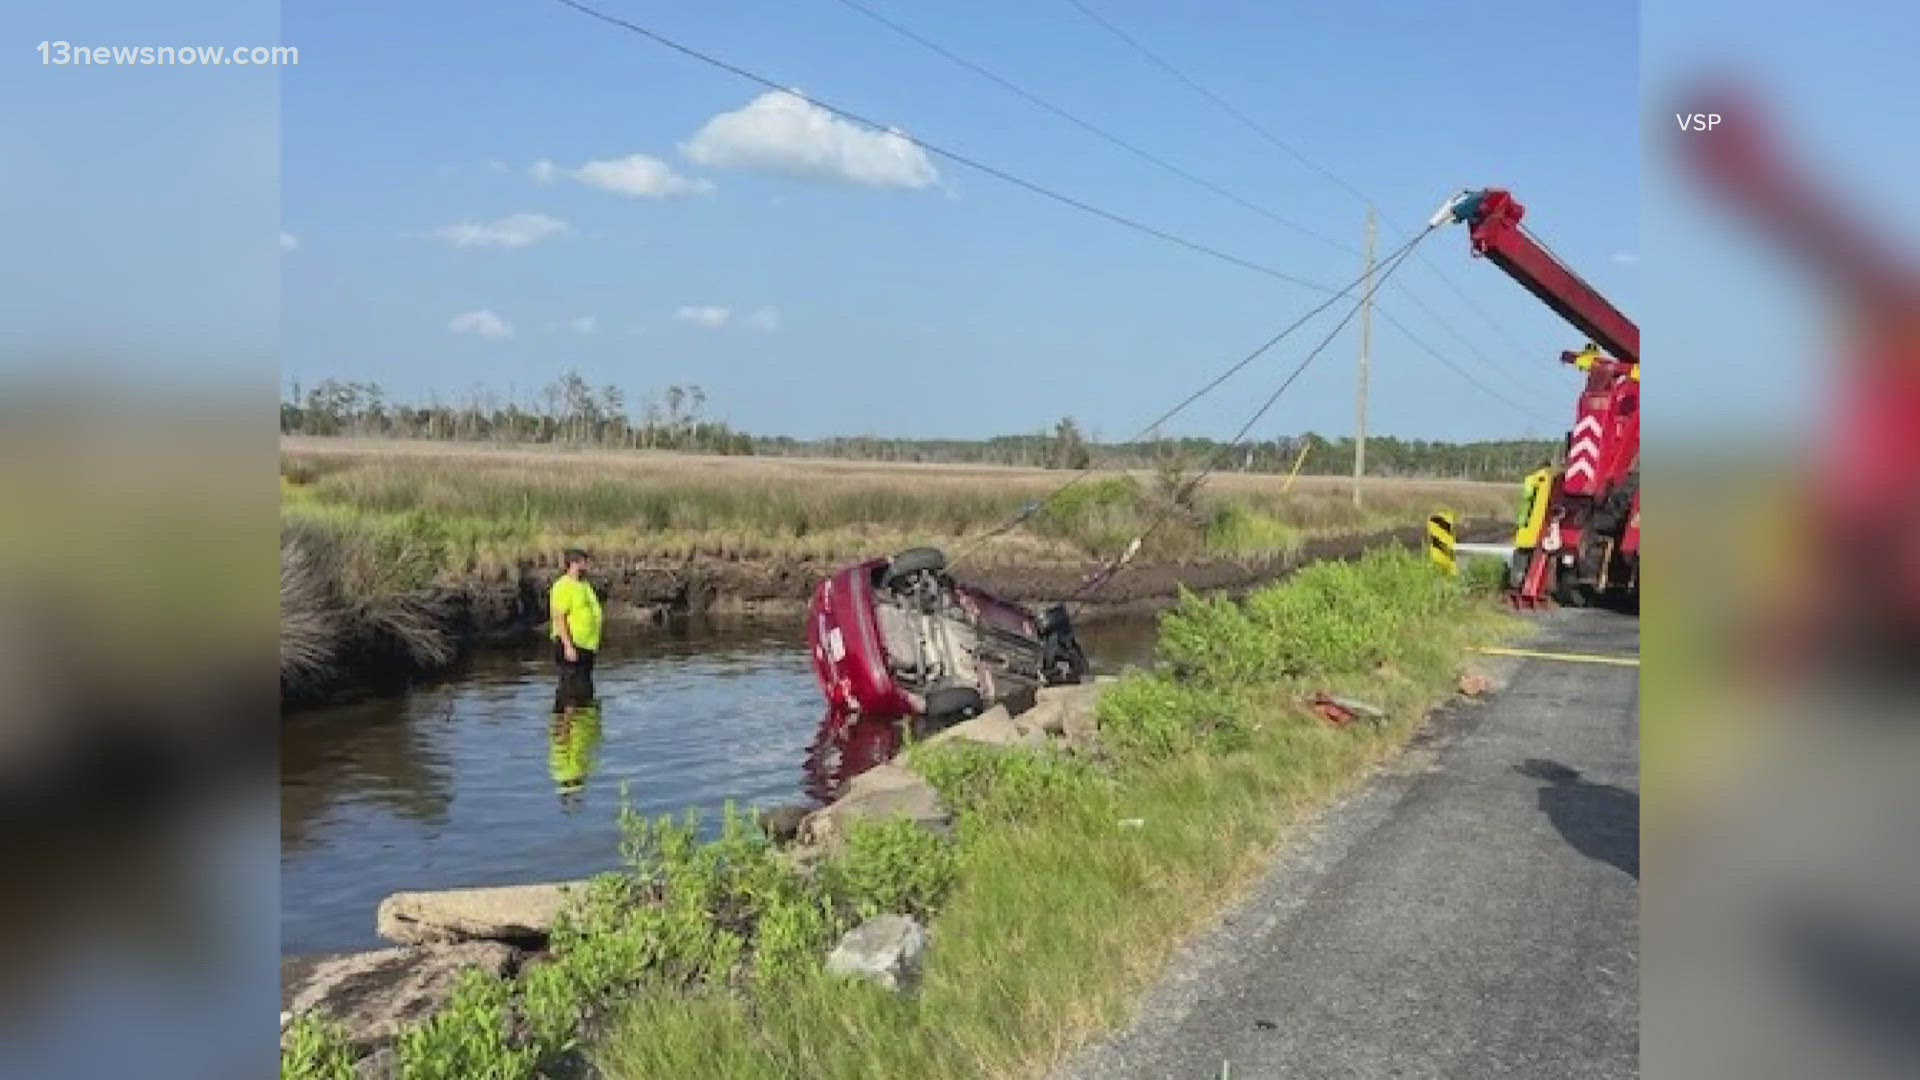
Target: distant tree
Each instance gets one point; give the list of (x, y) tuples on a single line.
[(1069, 446)]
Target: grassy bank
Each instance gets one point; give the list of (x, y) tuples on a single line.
[(482, 509), (1068, 884)]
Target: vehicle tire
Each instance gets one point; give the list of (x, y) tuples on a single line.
[(915, 561), (955, 703), (1572, 594)]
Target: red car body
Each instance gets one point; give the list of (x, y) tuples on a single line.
[(858, 675)]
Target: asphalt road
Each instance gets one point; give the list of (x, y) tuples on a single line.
[(1470, 913)]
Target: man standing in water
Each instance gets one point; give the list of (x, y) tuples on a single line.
[(575, 610)]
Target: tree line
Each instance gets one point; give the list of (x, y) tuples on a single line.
[(570, 411), (567, 411)]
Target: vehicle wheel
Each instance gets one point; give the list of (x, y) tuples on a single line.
[(955, 702), (1571, 593), (915, 561)]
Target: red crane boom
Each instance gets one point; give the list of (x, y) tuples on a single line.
[(1493, 216), (1587, 541)]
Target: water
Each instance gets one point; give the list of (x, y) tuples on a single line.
[(468, 781)]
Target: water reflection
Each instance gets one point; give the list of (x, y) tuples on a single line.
[(842, 749), (572, 738)]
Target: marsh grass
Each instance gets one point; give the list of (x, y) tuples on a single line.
[(482, 510), (356, 599)]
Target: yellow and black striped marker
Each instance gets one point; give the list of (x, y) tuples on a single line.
[(1440, 541)]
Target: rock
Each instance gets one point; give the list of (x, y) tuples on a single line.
[(374, 995), (382, 1064), (1341, 711), (888, 790), (521, 914), (887, 950), (995, 727), (782, 823), (1068, 713), (1062, 710)]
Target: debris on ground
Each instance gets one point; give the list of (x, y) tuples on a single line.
[(1474, 684), (1341, 711)]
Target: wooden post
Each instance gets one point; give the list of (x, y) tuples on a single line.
[(1366, 335)]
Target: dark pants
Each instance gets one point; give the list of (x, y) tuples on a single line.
[(576, 679)]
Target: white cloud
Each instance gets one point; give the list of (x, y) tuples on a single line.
[(708, 315), (288, 241), (765, 319), (482, 322), (1626, 258), (780, 131), (585, 324), (636, 176), (512, 231), (639, 176)]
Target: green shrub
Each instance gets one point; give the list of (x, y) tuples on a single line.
[(316, 1050), (468, 1038), (1218, 641), (1098, 515), (1155, 716), (1237, 530), (989, 781), (1330, 618), (894, 865)]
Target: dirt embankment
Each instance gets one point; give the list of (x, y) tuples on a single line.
[(643, 591), (507, 608)]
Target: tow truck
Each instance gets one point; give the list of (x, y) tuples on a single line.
[(1580, 543)]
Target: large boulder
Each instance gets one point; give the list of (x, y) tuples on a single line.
[(1065, 711), (884, 791), (520, 914), (887, 950), (373, 996)]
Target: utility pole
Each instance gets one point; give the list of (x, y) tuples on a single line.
[(1366, 335)]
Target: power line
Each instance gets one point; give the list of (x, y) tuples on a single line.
[(1159, 162), (1100, 580), (1267, 134), (1261, 350), (972, 163), (1182, 76), (950, 155), (1501, 369), (1457, 370), (1089, 126)]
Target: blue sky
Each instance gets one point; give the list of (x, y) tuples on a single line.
[(964, 306)]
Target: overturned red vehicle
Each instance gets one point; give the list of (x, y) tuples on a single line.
[(897, 638)]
